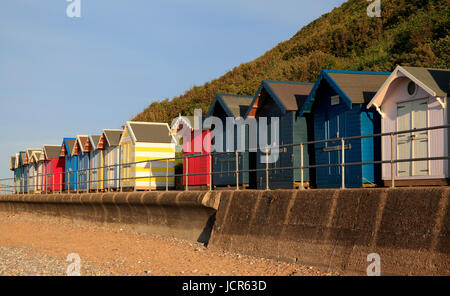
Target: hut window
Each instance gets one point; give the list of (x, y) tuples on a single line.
[(334, 100), (412, 89)]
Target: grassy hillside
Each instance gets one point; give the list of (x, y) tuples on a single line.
[(410, 32)]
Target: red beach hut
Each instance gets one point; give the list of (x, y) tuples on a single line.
[(53, 168), (199, 158)]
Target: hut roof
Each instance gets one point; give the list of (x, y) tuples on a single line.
[(354, 87), (436, 82), (113, 136), (51, 151), (150, 132), (67, 146), (36, 156), (289, 95), (94, 141), (189, 121), (234, 105)]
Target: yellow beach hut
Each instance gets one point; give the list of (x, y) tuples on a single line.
[(147, 147)]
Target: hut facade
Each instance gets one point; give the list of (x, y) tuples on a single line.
[(36, 167), (224, 165), (283, 100), (110, 144), (338, 102), (19, 172), (30, 171), (53, 168), (140, 143), (96, 164), (197, 159), (71, 163), (83, 161), (415, 98)]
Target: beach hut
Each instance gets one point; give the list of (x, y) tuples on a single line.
[(142, 142), (283, 100), (36, 167), (53, 168), (224, 165), (415, 98), (96, 164), (83, 161), (196, 155), (110, 144), (338, 102), (71, 163), (30, 172), (19, 172)]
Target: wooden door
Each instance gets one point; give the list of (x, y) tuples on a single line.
[(412, 115), (420, 139)]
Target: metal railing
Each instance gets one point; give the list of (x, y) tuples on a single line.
[(125, 178)]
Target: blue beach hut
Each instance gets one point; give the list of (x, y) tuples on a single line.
[(82, 151), (234, 106), (338, 102), (71, 163)]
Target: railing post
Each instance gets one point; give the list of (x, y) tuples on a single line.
[(210, 171), (120, 176), (150, 176), (187, 173), (301, 167), (237, 170), (267, 169), (343, 163), (135, 176), (167, 174), (68, 182), (98, 179), (392, 162)]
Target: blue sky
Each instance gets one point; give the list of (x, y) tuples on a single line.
[(62, 76)]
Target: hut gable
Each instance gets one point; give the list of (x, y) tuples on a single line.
[(78, 148), (12, 163), (435, 82), (67, 147), (232, 105), (35, 157), (29, 154), (51, 151), (149, 132), (288, 95), (111, 137), (94, 140)]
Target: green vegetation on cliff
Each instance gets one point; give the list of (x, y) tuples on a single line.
[(410, 33)]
